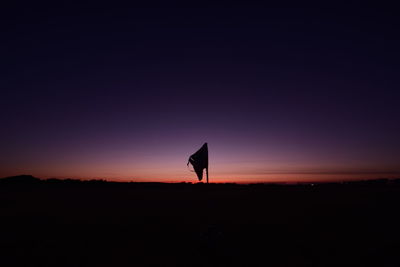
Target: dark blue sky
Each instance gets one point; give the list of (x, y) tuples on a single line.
[(129, 93)]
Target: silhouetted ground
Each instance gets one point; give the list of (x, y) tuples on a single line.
[(70, 223)]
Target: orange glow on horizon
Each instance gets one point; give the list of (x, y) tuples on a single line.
[(174, 172), (242, 179)]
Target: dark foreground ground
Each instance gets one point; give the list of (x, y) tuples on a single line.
[(108, 224)]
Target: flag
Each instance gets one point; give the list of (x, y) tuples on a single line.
[(199, 160)]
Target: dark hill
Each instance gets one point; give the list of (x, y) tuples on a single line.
[(20, 179)]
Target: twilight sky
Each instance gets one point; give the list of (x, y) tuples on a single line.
[(279, 94)]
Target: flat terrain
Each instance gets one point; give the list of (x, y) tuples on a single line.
[(58, 223)]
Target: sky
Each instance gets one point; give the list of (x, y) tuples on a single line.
[(129, 93)]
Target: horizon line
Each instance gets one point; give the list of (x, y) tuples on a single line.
[(201, 182)]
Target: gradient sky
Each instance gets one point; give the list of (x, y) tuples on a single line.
[(279, 94)]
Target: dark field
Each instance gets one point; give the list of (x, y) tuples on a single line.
[(57, 223)]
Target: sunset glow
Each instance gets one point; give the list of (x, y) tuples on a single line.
[(129, 94)]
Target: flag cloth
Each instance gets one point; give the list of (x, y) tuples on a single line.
[(199, 160)]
